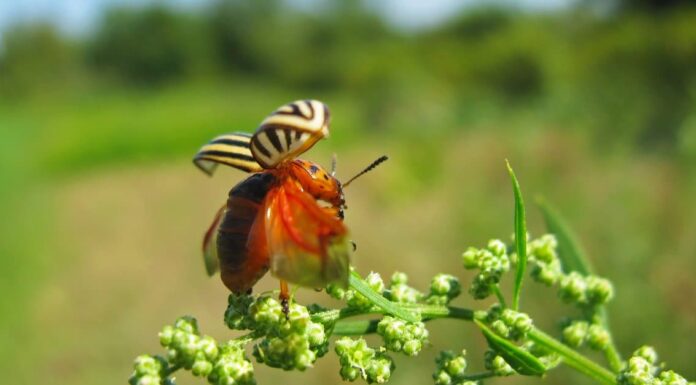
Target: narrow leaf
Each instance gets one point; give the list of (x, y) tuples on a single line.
[(569, 251), (520, 238), (359, 285), (519, 359)]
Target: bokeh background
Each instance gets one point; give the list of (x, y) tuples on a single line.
[(102, 105)]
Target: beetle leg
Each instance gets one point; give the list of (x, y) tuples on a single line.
[(284, 297), (335, 211)]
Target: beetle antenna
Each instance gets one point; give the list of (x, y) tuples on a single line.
[(333, 164), (368, 168)]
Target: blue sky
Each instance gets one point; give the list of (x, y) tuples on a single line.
[(79, 16)]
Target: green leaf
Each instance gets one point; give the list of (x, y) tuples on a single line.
[(520, 238), (359, 285), (519, 359), (569, 251)]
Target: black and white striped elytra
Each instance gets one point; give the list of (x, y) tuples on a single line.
[(229, 149), (289, 131)]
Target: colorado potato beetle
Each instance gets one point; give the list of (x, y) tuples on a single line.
[(272, 220)]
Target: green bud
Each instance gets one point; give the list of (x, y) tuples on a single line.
[(201, 368), (374, 280), (500, 328), (669, 377), (187, 324), (573, 288), (480, 288), (166, 335), (543, 249), (442, 378), (638, 372), (148, 370), (451, 368), (349, 373), (266, 313), (336, 291), (404, 294), (237, 313), (575, 333), (146, 380), (497, 247), (402, 336), (379, 369), (598, 337), (497, 364), (599, 290), (232, 367), (546, 274), (445, 285), (470, 258), (398, 278), (648, 353)]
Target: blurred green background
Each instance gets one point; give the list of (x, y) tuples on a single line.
[(593, 102)]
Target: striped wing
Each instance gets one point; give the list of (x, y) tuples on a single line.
[(307, 246), (229, 149), (289, 131)]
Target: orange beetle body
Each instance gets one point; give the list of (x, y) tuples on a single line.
[(281, 203)]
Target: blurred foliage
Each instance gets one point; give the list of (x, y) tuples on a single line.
[(595, 105), (630, 69)]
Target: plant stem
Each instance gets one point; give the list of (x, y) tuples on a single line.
[(611, 353), (479, 376), (572, 358), (170, 370), (499, 294)]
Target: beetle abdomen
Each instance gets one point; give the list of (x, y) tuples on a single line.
[(241, 262)]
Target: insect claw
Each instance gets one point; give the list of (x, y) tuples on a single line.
[(355, 246), (286, 308), (284, 297)]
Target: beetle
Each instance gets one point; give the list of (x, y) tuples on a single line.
[(273, 219)]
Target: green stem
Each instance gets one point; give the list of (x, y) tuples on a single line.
[(479, 376), (499, 294), (572, 358), (611, 353), (170, 370)]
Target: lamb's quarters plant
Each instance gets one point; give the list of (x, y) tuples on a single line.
[(400, 314)]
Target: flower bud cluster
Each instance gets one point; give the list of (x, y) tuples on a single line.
[(289, 342), (443, 289), (292, 342), (588, 290), (573, 287), (359, 360), (186, 348), (545, 265), (643, 369), (402, 336), (400, 291), (202, 356), (148, 370), (451, 369), (232, 366), (577, 333), (508, 323), (492, 262), (237, 313), (497, 364)]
